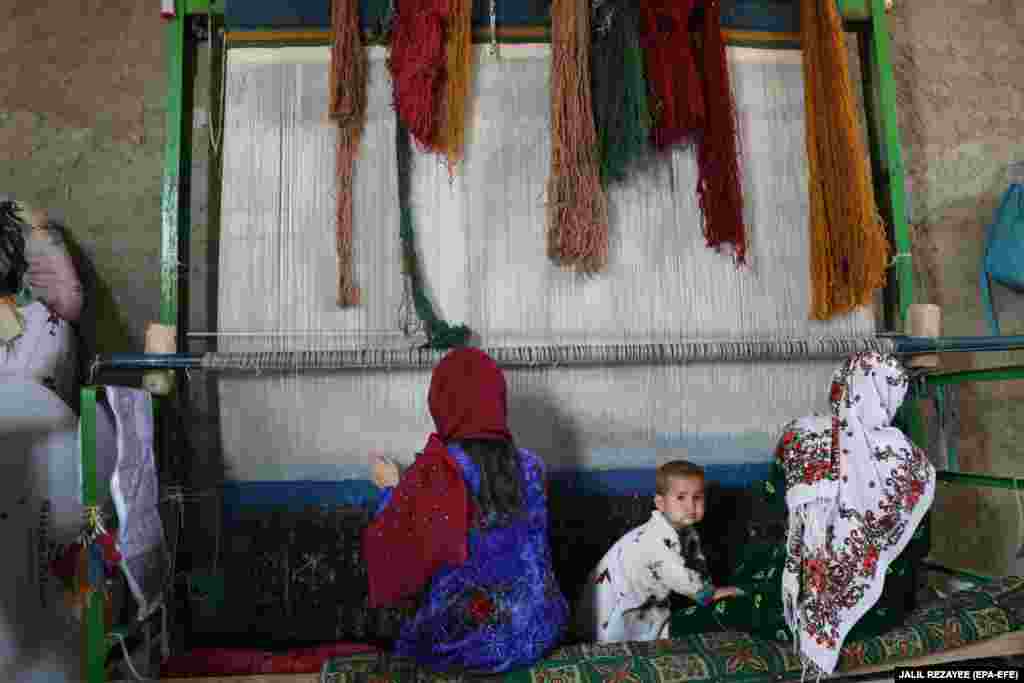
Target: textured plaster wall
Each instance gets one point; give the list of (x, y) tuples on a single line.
[(960, 81), (82, 131), (82, 118)]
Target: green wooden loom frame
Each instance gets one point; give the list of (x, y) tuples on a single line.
[(865, 18)]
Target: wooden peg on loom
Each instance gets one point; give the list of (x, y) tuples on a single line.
[(160, 339), (924, 320)]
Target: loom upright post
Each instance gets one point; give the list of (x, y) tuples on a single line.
[(95, 629), (175, 219), (892, 157)]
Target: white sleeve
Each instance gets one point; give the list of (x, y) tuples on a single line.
[(669, 568)]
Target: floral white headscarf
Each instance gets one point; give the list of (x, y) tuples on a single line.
[(856, 489)]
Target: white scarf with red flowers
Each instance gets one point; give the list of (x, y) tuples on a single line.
[(856, 489)]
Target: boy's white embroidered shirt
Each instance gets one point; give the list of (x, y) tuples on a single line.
[(626, 595)]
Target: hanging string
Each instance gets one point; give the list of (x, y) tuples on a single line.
[(1020, 518), (216, 126), (718, 149), (348, 74), (494, 28), (408, 322), (619, 88), (119, 637), (577, 205), (440, 335), (849, 249)]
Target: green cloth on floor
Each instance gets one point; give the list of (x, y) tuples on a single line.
[(759, 573), (728, 657)]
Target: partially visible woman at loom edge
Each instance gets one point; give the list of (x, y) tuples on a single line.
[(467, 524), (37, 342)]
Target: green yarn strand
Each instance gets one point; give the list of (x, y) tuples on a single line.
[(619, 88), (440, 335)]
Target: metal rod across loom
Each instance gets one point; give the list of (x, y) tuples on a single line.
[(564, 355)]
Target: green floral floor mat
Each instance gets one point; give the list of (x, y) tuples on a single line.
[(729, 657)]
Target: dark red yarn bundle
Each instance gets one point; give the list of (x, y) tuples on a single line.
[(692, 101), (718, 151), (418, 65), (677, 105)]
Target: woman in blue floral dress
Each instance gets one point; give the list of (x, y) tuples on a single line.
[(465, 530)]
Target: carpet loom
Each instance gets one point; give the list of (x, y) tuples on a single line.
[(481, 244)]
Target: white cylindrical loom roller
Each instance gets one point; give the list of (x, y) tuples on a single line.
[(924, 320), (160, 339), (681, 353)]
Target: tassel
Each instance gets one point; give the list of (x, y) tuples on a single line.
[(348, 76), (577, 205), (718, 184), (459, 50), (675, 86), (619, 89), (82, 587), (849, 248), (418, 63)]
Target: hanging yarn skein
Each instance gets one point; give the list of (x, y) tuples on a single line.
[(577, 206), (675, 86), (619, 90), (849, 248), (718, 184), (418, 64), (459, 50), (440, 335), (348, 74)]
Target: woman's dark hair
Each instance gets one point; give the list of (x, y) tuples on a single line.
[(501, 496), (13, 264)]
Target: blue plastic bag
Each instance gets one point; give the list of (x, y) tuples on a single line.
[(1004, 250)]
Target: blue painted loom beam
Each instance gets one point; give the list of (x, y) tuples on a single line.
[(771, 16)]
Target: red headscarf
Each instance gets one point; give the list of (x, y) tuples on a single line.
[(426, 524)]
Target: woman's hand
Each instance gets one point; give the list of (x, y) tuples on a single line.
[(54, 281), (385, 471), (726, 592)]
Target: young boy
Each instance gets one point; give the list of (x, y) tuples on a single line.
[(626, 596)]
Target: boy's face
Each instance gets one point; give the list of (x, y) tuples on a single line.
[(683, 503)]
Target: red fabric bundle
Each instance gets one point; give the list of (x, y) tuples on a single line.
[(230, 662), (426, 524)]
